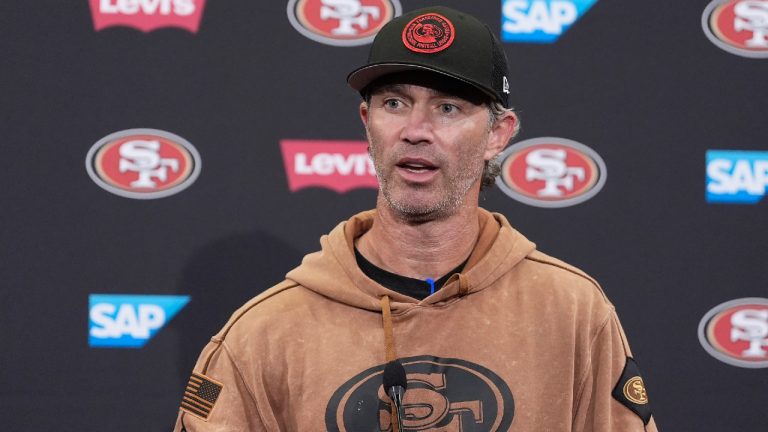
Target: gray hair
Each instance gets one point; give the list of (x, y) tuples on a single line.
[(492, 169)]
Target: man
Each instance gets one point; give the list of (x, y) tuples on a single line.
[(493, 335)]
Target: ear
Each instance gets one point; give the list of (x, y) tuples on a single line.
[(364, 113), (498, 137)]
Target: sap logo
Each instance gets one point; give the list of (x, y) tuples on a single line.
[(540, 21), (147, 15), (336, 165), (129, 321), (739, 177)]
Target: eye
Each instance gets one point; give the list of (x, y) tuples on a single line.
[(392, 103), (447, 108)]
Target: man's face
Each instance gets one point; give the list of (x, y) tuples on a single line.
[(429, 147)]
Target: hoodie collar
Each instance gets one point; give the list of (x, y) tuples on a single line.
[(333, 271)]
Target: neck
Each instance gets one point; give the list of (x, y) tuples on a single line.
[(420, 250)]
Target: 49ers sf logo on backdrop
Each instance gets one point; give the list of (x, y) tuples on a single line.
[(551, 172), (147, 15), (341, 22), (736, 332), (738, 26), (143, 163), (443, 395)]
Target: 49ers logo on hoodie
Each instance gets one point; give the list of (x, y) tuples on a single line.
[(442, 395), (148, 15)]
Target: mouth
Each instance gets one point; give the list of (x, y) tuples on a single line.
[(418, 166)]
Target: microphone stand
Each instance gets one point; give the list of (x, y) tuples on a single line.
[(395, 383), (396, 394)]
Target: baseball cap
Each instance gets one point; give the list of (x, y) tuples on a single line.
[(441, 40)]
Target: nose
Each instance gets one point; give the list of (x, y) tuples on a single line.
[(418, 126)]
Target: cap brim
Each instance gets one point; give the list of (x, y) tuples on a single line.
[(362, 77)]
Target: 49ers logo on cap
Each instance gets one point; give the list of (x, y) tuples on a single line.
[(738, 26), (428, 33), (143, 163), (736, 332), (341, 22), (551, 172), (443, 395)]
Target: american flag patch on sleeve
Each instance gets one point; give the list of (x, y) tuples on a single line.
[(200, 395)]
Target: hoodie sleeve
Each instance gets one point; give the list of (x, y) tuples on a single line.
[(216, 398), (612, 395)]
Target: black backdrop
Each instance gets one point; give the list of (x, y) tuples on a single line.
[(637, 81)]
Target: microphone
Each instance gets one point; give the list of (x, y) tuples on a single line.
[(395, 384)]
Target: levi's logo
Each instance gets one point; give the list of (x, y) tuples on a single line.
[(147, 15), (336, 165)]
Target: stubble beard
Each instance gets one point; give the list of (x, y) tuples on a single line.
[(451, 192)]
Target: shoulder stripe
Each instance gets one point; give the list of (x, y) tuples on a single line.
[(277, 289), (219, 338), (544, 259)]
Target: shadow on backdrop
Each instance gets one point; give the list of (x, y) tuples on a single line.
[(219, 278)]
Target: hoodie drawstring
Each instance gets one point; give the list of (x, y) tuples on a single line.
[(389, 346), (463, 285), (389, 336)]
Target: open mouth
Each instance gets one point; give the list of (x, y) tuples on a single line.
[(416, 166)]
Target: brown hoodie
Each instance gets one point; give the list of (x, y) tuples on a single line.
[(519, 341)]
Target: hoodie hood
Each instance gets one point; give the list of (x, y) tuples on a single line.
[(333, 272)]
